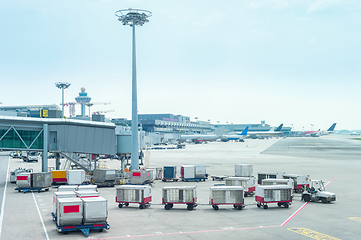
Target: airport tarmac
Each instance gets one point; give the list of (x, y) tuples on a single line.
[(335, 159)]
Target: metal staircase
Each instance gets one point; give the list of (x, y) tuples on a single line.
[(74, 158)]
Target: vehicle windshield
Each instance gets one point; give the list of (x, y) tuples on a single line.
[(32, 153)]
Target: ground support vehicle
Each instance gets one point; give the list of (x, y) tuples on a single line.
[(226, 195), (280, 194), (25, 190), (299, 181), (219, 178), (316, 192), (84, 228), (248, 184), (126, 194), (179, 195)]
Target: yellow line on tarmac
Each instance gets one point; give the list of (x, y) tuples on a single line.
[(312, 234), (355, 218)]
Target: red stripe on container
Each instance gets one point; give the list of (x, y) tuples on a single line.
[(98, 225), (59, 180), (22, 178), (136, 174), (67, 227), (71, 209)]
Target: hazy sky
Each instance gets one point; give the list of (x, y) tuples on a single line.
[(283, 61)]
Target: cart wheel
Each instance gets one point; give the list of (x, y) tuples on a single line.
[(100, 230), (258, 205), (163, 180), (240, 207), (245, 194), (46, 189), (141, 206), (306, 198), (167, 207), (126, 204), (120, 205), (215, 207), (38, 191), (286, 205), (190, 207), (176, 180), (323, 200), (279, 204), (19, 190), (171, 205), (265, 207)]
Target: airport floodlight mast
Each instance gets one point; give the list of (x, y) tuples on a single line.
[(62, 86), (134, 17)]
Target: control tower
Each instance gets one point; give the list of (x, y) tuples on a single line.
[(83, 99)]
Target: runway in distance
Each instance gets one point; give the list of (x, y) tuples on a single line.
[(321, 133)]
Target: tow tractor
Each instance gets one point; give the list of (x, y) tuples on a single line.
[(317, 192)]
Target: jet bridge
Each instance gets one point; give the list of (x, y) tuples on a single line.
[(63, 136)]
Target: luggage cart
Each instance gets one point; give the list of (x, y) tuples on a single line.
[(226, 195), (280, 194), (179, 195), (126, 194), (194, 179), (25, 190), (84, 228), (219, 178)]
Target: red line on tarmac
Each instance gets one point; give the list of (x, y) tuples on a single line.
[(294, 214), (178, 233), (330, 181)]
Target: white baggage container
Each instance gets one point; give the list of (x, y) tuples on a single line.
[(298, 181), (179, 195), (84, 194), (126, 194), (243, 170), (87, 188), (58, 195), (188, 171), (248, 183), (200, 171), (153, 174), (140, 176), (95, 210), (265, 175), (69, 211), (226, 195), (24, 180), (75, 176), (271, 181), (280, 194), (67, 188)]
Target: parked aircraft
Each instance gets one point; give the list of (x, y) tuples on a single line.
[(237, 137), (321, 133), (199, 138), (272, 132)]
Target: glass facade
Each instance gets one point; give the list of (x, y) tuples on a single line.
[(12, 140)]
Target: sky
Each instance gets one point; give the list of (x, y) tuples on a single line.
[(296, 62)]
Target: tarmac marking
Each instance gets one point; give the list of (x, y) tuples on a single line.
[(4, 195), (355, 218), (294, 214), (42, 222), (312, 234)]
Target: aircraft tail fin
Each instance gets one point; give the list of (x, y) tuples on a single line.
[(332, 127), (244, 132), (279, 128)]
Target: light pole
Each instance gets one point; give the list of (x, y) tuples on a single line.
[(134, 17), (62, 86)]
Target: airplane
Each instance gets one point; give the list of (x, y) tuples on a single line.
[(321, 133), (272, 132), (197, 138), (238, 137)]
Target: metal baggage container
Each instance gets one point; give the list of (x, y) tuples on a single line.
[(153, 174), (88, 194), (188, 171), (243, 170), (298, 181), (75, 176), (200, 171), (58, 195), (271, 181), (169, 172), (95, 210), (265, 175), (24, 180), (87, 188), (69, 211), (67, 188), (104, 175), (226, 195), (140, 176), (42, 180), (17, 171), (280, 194), (248, 183), (180, 194), (126, 194), (59, 176)]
